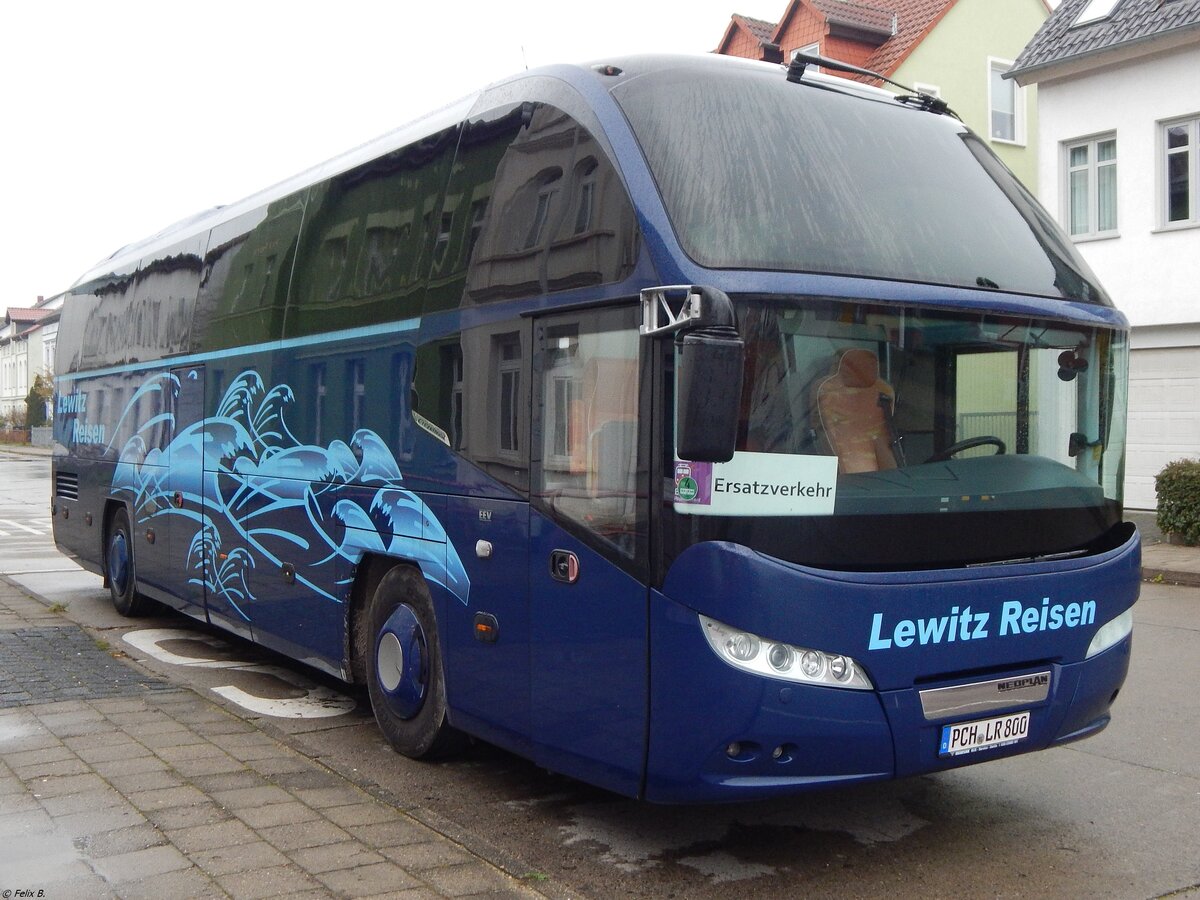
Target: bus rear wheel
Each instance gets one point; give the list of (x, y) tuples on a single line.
[(404, 668), (120, 569)]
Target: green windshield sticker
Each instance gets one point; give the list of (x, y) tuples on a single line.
[(757, 484)]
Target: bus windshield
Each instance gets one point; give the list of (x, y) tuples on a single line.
[(834, 184), (949, 437)]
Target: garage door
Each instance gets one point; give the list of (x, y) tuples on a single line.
[(1164, 417)]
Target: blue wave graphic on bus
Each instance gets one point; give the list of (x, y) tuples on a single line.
[(268, 499)]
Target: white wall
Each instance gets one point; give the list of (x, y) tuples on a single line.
[(1152, 275), (1154, 278)]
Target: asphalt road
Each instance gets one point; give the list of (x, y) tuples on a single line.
[(1114, 816)]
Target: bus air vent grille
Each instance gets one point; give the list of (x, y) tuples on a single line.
[(66, 485)]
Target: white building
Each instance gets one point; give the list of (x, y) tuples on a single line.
[(1119, 164), (27, 341)]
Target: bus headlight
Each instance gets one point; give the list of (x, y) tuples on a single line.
[(1111, 632), (775, 659)]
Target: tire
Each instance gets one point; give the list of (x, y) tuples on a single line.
[(119, 567), (404, 668)]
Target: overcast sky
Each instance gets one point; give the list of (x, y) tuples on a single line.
[(122, 117)]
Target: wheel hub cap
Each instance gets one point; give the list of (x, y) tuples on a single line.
[(118, 563), (401, 662)]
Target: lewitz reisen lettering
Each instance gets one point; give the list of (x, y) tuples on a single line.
[(968, 625)]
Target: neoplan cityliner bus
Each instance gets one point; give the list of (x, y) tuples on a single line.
[(698, 428)]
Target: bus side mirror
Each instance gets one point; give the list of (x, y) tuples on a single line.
[(708, 370), (708, 395)]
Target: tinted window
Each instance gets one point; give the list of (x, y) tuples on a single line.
[(136, 315), (368, 239), (472, 391), (587, 469), (757, 172), (534, 206), (244, 289)]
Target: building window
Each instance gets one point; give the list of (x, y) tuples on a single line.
[(318, 397), (585, 174), (508, 352), (547, 185), (811, 50), (478, 215), (1006, 101), (443, 238), (1092, 187), (357, 372), (1181, 172), (457, 437), (1094, 11), (564, 431)]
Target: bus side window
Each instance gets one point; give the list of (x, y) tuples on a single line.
[(368, 238), (534, 206), (246, 276)]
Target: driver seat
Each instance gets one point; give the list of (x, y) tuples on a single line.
[(854, 405)]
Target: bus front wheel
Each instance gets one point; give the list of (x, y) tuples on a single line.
[(119, 566), (404, 668)]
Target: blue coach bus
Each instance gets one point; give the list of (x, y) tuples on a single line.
[(699, 428)]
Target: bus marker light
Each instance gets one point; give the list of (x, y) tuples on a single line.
[(487, 628), (741, 646), (781, 657), (1111, 632), (812, 663)]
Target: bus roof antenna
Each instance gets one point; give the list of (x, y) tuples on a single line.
[(801, 61)]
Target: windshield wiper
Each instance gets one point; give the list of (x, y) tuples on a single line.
[(921, 100)]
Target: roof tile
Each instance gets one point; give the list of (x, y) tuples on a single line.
[(763, 31), (1059, 39), (857, 15)]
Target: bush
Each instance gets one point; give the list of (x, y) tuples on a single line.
[(37, 400), (1178, 489)]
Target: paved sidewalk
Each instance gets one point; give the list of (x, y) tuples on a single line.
[(1171, 564), (115, 783), (1163, 561)]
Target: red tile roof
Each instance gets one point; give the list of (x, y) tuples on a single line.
[(24, 315), (856, 15), (761, 29), (914, 20), (900, 24), (745, 34)]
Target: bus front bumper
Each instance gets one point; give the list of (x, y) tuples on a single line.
[(721, 735)]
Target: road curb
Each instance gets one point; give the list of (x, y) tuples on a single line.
[(1170, 576)]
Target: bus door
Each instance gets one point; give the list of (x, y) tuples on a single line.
[(185, 493), (588, 610)]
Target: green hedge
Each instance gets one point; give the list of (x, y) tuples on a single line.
[(1178, 489)]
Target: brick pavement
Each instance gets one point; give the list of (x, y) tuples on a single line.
[(114, 783)]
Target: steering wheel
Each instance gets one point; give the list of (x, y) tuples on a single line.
[(984, 440)]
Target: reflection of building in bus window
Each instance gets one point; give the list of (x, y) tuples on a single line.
[(562, 217), (589, 437)]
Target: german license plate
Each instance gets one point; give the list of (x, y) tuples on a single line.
[(968, 737)]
